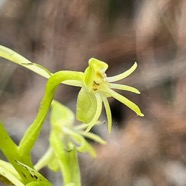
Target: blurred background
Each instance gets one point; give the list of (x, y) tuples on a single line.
[(63, 34)]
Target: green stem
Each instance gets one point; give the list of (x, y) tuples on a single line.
[(68, 160), (7, 145), (9, 148), (33, 131), (74, 167), (59, 149)]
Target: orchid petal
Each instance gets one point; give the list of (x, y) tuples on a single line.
[(82, 144), (97, 113), (93, 72), (108, 113), (127, 102), (86, 106), (45, 159), (122, 75), (124, 87), (93, 137), (61, 115)]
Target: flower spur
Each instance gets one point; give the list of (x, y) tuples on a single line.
[(97, 88)]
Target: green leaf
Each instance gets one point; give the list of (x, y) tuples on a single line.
[(20, 60), (37, 183), (32, 175), (8, 174), (86, 106)]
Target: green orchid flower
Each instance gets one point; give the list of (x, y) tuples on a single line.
[(66, 140), (96, 88)]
